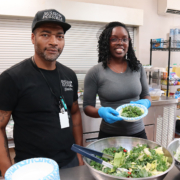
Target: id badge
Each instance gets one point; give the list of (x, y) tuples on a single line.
[(64, 120)]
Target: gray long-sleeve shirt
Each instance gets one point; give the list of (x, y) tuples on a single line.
[(115, 89)]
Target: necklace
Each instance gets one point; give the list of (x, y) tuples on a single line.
[(117, 71)]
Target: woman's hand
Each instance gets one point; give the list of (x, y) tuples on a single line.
[(109, 114), (145, 102)]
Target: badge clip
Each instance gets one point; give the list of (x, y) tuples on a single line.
[(63, 103), (62, 110)]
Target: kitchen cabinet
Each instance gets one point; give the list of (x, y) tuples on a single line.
[(90, 137), (150, 132)]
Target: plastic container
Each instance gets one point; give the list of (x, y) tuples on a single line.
[(165, 75), (165, 92), (155, 94), (178, 71), (178, 39), (175, 37), (174, 66), (177, 95), (178, 105), (158, 43), (172, 95), (171, 34), (170, 68)]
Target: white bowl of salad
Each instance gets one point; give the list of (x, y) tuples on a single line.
[(132, 112)]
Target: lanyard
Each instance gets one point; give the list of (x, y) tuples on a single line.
[(62, 104)]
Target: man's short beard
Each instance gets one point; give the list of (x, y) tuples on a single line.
[(45, 56)]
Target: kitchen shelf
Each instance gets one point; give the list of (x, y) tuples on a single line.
[(171, 87), (166, 49), (178, 86), (169, 49)]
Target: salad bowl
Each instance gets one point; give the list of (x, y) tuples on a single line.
[(172, 147), (133, 119), (127, 143)]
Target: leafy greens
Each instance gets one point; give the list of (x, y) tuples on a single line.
[(131, 111), (140, 161)]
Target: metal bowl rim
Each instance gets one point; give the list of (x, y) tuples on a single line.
[(164, 173), (172, 143)]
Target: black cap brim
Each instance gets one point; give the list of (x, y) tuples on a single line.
[(65, 26)]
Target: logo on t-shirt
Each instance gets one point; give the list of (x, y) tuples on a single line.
[(67, 85)]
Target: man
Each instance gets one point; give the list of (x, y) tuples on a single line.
[(41, 95)]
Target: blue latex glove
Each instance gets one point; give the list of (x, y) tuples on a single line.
[(145, 102), (109, 114)]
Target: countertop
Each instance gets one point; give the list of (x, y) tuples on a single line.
[(162, 101), (82, 173)]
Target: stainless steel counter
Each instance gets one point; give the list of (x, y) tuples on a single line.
[(162, 101), (82, 173), (159, 123)]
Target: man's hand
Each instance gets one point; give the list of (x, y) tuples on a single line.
[(81, 162), (77, 128)]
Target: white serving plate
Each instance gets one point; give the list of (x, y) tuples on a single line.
[(34, 169), (143, 109)]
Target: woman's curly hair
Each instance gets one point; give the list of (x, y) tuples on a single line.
[(104, 49)]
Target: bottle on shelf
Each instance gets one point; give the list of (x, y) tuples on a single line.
[(171, 34), (178, 70), (170, 68), (175, 38), (178, 39), (174, 66)]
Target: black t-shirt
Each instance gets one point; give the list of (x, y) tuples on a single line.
[(35, 110)]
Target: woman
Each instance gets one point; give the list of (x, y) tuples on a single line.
[(118, 79)]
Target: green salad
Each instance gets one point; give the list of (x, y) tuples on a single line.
[(131, 111), (140, 161)]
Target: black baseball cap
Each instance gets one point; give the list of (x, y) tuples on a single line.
[(50, 15)]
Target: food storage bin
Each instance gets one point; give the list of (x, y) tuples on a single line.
[(155, 94)]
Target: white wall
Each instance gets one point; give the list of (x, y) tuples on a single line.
[(101, 13), (154, 26), (73, 10), (21, 7)]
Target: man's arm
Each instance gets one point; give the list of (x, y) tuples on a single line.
[(77, 128), (5, 161)]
